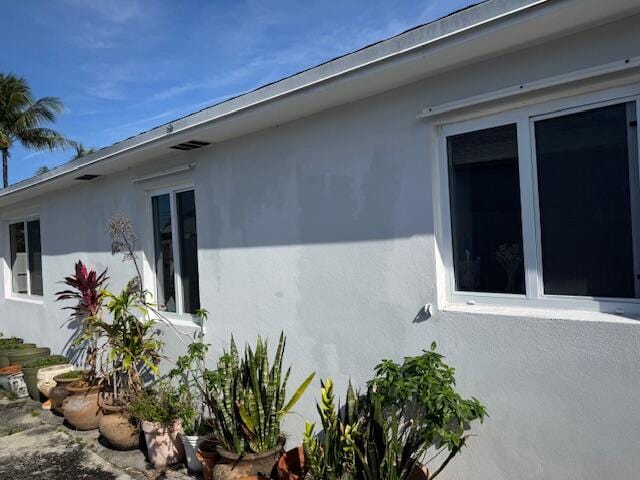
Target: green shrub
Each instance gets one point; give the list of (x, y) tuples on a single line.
[(47, 362), (72, 375), (14, 346), (163, 405), (9, 341)]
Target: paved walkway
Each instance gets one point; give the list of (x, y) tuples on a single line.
[(35, 443)]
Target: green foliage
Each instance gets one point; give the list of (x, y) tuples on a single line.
[(22, 119), (47, 362), (189, 374), (333, 457), (132, 343), (9, 341), (408, 408), (427, 385), (162, 404), (246, 397), (72, 375)]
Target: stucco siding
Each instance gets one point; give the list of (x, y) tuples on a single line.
[(324, 228)]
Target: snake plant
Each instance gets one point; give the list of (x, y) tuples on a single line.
[(246, 396)]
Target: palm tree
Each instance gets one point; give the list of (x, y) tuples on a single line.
[(21, 119), (81, 150)]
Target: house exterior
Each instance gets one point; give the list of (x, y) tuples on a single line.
[(473, 181)]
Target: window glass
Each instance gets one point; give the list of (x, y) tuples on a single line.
[(586, 193), (18, 258), (485, 211), (186, 213), (163, 239), (34, 257)]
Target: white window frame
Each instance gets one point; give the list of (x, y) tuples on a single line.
[(524, 117), (9, 283), (152, 285)]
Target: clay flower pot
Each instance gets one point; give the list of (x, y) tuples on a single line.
[(291, 465), (119, 428), (82, 407), (4, 351), (164, 446), (58, 393), (46, 377), (231, 466), (207, 455), (24, 355)]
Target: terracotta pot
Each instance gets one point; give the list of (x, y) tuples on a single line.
[(24, 355), (4, 351), (207, 455), (164, 446), (231, 466), (46, 377), (291, 465), (59, 393), (82, 408), (419, 473), (119, 428)]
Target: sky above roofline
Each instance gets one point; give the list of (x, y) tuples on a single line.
[(124, 66)]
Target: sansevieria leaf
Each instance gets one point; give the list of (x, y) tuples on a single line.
[(297, 394)]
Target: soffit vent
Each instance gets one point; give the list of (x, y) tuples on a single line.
[(190, 145), (87, 177)]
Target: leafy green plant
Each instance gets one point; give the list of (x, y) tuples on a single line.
[(47, 362), (9, 341), (246, 397), (132, 341), (72, 375), (189, 374), (86, 288), (385, 434), (162, 404), (333, 456)]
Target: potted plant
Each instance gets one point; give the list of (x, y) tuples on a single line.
[(31, 369), (4, 351), (247, 400), (81, 407), (189, 375), (407, 409), (59, 392), (133, 350), (160, 410)]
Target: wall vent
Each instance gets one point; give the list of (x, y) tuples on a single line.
[(87, 177), (190, 145)]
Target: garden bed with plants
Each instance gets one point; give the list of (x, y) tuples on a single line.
[(222, 416)]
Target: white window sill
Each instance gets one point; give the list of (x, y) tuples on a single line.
[(543, 313), (26, 299), (180, 320)]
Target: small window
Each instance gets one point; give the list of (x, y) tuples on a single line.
[(587, 188), (546, 209), (485, 211), (176, 251), (26, 258)]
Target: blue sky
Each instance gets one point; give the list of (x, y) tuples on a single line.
[(124, 66)]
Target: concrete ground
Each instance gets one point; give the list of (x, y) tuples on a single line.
[(35, 443)]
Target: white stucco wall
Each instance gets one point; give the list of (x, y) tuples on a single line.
[(324, 228)]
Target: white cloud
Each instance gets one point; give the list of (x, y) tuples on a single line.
[(115, 11)]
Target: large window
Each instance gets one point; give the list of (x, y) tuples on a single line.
[(176, 251), (26, 257), (546, 207)]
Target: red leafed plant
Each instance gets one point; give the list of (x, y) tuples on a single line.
[(87, 288)]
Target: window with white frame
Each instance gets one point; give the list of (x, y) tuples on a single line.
[(176, 251), (26, 257), (545, 206)]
